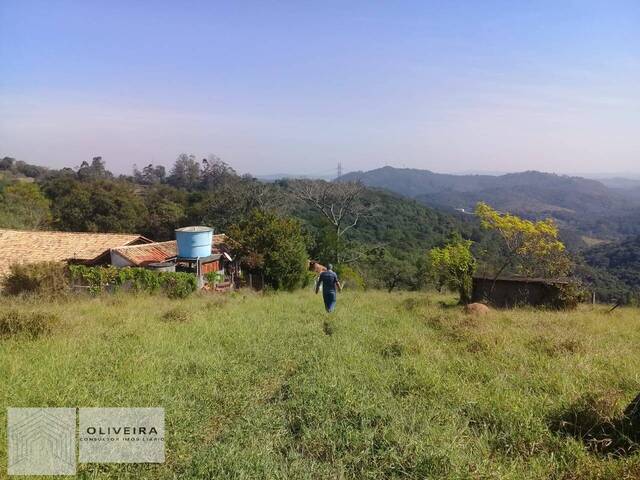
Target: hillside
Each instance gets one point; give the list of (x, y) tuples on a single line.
[(575, 202), (404, 226), (392, 386), (621, 260)]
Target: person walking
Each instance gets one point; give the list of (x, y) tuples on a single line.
[(330, 285)]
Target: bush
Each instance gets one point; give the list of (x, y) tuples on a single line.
[(350, 278), (30, 324), (569, 296), (213, 277), (44, 278), (309, 279), (99, 279), (176, 315), (178, 285), (274, 246)]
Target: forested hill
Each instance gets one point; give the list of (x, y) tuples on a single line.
[(389, 240), (403, 226), (621, 260), (393, 236), (577, 203)]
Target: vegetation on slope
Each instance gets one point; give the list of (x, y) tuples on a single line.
[(576, 203), (387, 247), (621, 261), (392, 386)]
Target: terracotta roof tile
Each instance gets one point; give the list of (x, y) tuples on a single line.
[(19, 246), (148, 253), (159, 251)]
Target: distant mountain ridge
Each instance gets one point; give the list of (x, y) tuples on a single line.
[(573, 201)]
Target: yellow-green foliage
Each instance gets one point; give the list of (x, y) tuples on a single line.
[(453, 265), (532, 245), (401, 385)]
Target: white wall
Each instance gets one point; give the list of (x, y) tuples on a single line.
[(118, 260)]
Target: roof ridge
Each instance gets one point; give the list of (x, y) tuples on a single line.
[(74, 233)]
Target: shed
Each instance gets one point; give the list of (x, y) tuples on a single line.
[(517, 291), (142, 255)]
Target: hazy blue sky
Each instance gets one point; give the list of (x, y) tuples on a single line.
[(300, 86)]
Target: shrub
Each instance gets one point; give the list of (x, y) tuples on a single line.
[(274, 246), (178, 285), (309, 279), (569, 296), (214, 277), (30, 324), (176, 315), (44, 278), (350, 278), (98, 279)]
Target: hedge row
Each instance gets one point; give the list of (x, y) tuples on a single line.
[(55, 279)]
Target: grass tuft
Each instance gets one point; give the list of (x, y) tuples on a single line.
[(15, 323), (177, 314)]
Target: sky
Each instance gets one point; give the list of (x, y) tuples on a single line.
[(300, 86)]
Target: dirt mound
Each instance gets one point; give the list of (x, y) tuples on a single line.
[(476, 309)]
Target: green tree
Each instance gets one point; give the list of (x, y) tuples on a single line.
[(165, 208), (340, 203), (150, 175), (185, 172), (96, 171), (216, 173), (529, 247), (453, 266), (102, 206), (273, 245), (23, 206)]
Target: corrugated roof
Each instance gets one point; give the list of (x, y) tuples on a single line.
[(160, 251), (148, 253), (20, 246)]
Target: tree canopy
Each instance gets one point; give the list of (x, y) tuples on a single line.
[(531, 248)]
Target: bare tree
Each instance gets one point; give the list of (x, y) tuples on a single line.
[(339, 202)]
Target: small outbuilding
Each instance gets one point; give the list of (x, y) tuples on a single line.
[(160, 255), (518, 291)]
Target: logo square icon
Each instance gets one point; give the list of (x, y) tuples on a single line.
[(41, 441)]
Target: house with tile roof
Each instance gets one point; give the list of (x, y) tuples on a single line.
[(22, 246)]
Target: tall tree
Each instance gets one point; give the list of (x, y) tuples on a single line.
[(97, 170), (274, 245), (216, 173), (530, 247), (339, 202), (150, 175), (185, 172)]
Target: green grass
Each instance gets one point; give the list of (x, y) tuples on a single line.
[(390, 386)]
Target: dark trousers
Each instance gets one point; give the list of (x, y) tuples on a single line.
[(329, 297)]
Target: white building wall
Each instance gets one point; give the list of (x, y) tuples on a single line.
[(118, 260)]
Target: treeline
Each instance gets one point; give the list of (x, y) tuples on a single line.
[(384, 248), (378, 239)]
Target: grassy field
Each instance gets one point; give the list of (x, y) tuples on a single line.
[(390, 386)]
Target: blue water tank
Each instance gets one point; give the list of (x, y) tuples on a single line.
[(194, 242)]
